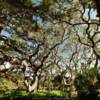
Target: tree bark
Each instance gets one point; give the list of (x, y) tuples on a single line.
[(33, 86)]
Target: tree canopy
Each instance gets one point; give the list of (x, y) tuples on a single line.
[(49, 38)]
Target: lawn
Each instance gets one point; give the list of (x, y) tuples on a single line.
[(39, 95)]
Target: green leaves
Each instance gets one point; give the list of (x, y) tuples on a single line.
[(88, 77)]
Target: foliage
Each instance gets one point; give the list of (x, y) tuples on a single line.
[(86, 79), (50, 40), (6, 85)]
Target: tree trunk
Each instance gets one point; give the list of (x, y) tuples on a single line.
[(33, 86)]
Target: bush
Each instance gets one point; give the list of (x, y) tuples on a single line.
[(87, 83)]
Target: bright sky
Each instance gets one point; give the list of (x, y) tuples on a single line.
[(93, 14), (36, 2)]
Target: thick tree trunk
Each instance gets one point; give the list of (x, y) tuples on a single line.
[(33, 86)]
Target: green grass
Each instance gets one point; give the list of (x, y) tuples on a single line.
[(40, 95), (50, 93), (56, 93)]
